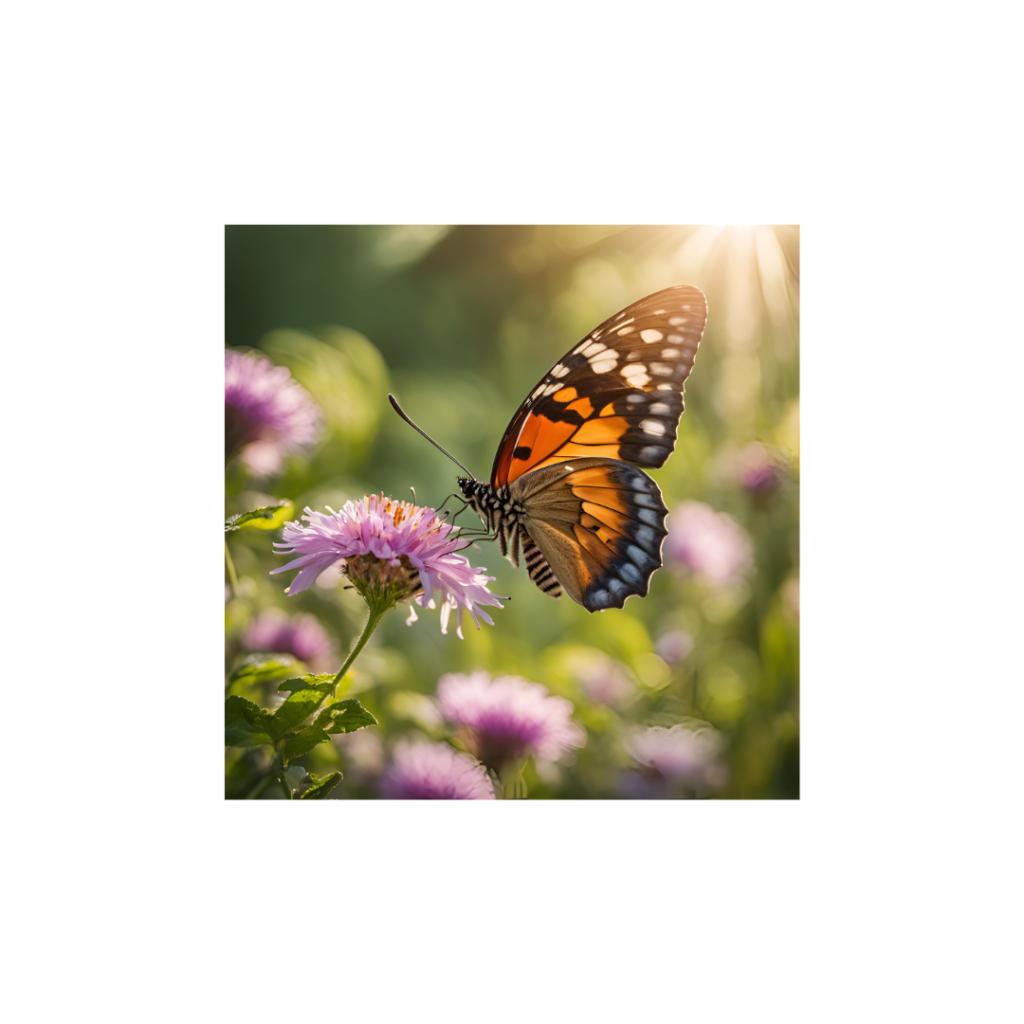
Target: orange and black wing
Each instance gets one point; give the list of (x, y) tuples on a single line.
[(618, 394), (599, 524)]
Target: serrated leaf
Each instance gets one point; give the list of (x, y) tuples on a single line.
[(245, 723), (303, 742), (321, 787), (345, 716), (295, 777), (298, 707), (267, 517), (324, 682), (256, 669)]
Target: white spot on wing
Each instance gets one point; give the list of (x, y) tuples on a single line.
[(560, 371), (651, 335), (664, 387), (603, 365), (633, 370), (662, 369), (633, 399), (625, 330), (670, 353), (653, 427), (659, 409), (675, 338), (592, 348), (551, 389), (677, 321)]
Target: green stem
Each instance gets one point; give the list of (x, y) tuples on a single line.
[(280, 774), (231, 571), (375, 614)]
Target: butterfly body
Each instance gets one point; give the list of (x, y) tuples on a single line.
[(566, 487)]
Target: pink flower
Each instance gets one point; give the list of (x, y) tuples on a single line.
[(391, 551), (710, 544), (605, 681), (434, 771), (506, 719), (266, 414), (686, 753), (756, 470), (675, 647), (301, 635)]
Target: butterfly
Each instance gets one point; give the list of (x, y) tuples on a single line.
[(568, 489)]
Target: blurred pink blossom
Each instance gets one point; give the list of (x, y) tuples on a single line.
[(267, 415), (675, 647), (756, 470), (710, 544), (302, 635), (605, 681), (508, 718), (434, 771), (686, 753)]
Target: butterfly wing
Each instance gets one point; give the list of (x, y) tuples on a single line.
[(618, 394), (599, 523)]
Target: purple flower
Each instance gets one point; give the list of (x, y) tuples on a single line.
[(266, 414), (710, 544), (434, 771), (504, 720), (675, 647), (605, 681), (756, 470), (301, 635), (686, 753), (389, 546)]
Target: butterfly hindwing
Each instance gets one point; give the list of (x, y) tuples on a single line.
[(599, 524), (618, 394)]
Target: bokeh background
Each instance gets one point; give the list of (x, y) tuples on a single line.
[(460, 323)]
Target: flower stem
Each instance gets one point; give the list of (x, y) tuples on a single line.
[(375, 614), (231, 571), (280, 774)]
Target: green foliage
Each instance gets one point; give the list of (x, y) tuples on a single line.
[(294, 777), (261, 669), (269, 517), (249, 725), (345, 716), (245, 723), (319, 789)]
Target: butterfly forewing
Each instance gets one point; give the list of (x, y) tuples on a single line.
[(617, 394)]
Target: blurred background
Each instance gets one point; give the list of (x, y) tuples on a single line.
[(460, 323)]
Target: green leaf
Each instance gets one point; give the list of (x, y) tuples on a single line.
[(324, 682), (321, 787), (267, 517), (295, 777), (298, 707), (256, 669), (245, 723), (299, 743), (345, 716)]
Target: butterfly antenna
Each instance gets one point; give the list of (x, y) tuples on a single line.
[(398, 409)]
